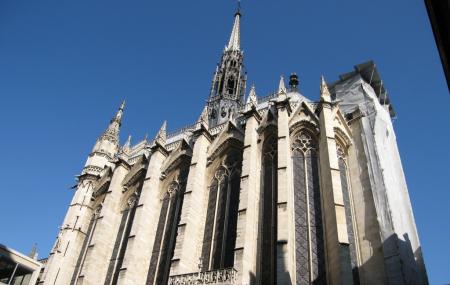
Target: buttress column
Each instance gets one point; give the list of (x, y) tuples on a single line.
[(285, 273), (250, 189), (101, 246), (194, 204), (336, 237), (139, 251)]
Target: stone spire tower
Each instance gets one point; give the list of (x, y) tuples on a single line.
[(107, 145), (228, 84), (81, 216)]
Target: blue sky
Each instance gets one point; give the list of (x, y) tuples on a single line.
[(65, 66)]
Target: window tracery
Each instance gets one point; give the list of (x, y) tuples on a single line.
[(166, 231), (304, 142), (309, 240), (221, 220), (122, 236)]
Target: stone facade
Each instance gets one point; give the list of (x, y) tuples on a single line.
[(271, 190)]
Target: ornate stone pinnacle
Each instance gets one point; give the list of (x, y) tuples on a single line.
[(161, 136), (252, 99), (281, 86), (127, 145), (118, 117), (325, 95), (203, 119)]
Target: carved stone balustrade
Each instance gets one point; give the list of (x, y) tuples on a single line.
[(227, 276)]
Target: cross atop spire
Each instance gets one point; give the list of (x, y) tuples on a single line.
[(235, 38)]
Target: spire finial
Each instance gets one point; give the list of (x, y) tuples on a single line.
[(34, 252), (325, 95), (203, 116), (118, 117), (235, 38), (127, 145), (252, 99), (281, 86), (161, 136), (112, 132)]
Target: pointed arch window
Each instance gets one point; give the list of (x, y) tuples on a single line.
[(230, 85), (221, 220), (309, 241), (164, 244), (122, 237), (84, 248), (342, 160), (269, 211)]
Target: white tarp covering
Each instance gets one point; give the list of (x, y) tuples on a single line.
[(401, 245)]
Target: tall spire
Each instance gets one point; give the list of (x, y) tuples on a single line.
[(228, 85), (112, 132), (235, 38)]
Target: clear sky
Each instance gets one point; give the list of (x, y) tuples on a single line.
[(65, 66)]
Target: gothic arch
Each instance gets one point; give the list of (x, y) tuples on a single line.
[(268, 122), (304, 125), (229, 137), (342, 137), (171, 196), (304, 116), (129, 202), (176, 157), (222, 210)]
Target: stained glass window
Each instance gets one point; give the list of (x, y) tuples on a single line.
[(221, 220), (309, 241)]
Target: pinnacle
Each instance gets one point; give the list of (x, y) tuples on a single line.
[(252, 99), (324, 91), (281, 86), (203, 119), (235, 38), (127, 144), (119, 114), (161, 136)]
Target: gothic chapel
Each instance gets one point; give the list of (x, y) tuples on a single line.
[(269, 190)]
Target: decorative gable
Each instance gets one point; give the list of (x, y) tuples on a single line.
[(304, 115), (229, 136)]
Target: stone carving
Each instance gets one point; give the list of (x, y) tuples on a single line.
[(221, 276)]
